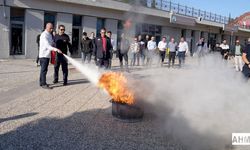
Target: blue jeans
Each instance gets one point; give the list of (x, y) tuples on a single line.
[(181, 56), (44, 63), (86, 56), (135, 57)]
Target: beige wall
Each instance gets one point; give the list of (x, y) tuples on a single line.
[(89, 24), (111, 24), (4, 33), (33, 26)]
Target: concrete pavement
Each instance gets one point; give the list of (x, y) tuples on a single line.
[(77, 116)]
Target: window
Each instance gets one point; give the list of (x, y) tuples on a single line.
[(100, 24), (148, 29), (17, 14), (49, 17), (77, 20)]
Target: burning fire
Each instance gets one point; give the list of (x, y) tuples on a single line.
[(116, 85)]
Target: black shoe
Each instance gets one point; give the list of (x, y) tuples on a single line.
[(55, 81), (65, 83), (46, 87)]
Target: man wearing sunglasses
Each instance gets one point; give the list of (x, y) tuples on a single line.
[(62, 42), (102, 48)]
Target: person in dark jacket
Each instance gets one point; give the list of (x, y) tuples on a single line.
[(86, 48), (123, 48), (246, 59), (62, 42), (102, 48), (38, 45), (92, 38)]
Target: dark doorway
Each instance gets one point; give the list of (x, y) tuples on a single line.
[(16, 39), (75, 42)]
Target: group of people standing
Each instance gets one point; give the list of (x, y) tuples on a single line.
[(240, 54), (145, 51), (100, 47), (139, 51)]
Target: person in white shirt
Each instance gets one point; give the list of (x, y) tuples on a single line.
[(151, 50), (45, 48), (134, 50), (142, 51), (224, 49), (237, 51), (182, 50), (172, 45), (162, 46)]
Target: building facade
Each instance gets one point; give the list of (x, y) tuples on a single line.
[(22, 20)]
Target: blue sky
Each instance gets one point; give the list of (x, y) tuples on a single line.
[(220, 7)]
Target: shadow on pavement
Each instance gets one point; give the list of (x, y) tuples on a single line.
[(98, 129), (70, 82), (17, 117), (91, 130)]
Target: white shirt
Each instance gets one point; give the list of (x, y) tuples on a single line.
[(113, 43), (183, 47), (162, 46), (46, 43), (224, 46), (151, 45), (134, 47)]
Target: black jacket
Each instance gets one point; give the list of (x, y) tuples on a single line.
[(98, 49), (86, 45), (63, 43)]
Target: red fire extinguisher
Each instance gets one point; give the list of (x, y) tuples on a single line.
[(53, 57)]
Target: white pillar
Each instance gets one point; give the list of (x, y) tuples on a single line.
[(4, 32), (205, 36), (111, 25), (188, 38), (33, 26), (89, 24), (197, 35), (171, 32), (66, 20), (218, 38)]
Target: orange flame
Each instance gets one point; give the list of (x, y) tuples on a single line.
[(116, 85)]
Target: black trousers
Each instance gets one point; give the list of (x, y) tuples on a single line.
[(110, 59), (61, 60), (125, 56), (162, 55), (171, 58), (102, 62), (86, 56), (44, 63)]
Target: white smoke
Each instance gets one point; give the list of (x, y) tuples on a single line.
[(202, 104), (90, 71)]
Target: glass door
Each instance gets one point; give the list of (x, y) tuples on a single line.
[(17, 38), (76, 37)]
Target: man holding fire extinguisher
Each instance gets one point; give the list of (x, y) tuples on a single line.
[(46, 42)]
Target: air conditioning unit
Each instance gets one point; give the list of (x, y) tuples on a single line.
[(199, 19)]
